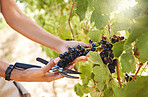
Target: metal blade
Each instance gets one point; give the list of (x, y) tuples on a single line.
[(68, 76), (71, 71)]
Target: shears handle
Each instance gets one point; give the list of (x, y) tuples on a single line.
[(25, 66)]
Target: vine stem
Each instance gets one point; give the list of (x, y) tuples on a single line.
[(69, 19), (143, 68), (109, 29), (141, 64), (118, 76)]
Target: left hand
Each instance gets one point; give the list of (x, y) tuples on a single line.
[(37, 74), (72, 44)]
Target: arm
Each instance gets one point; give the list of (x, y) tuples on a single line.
[(32, 74), (25, 26)]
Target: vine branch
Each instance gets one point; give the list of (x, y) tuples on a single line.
[(141, 64), (109, 29), (144, 68), (69, 19), (118, 76)]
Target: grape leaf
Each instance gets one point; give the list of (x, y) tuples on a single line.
[(100, 20), (79, 89), (138, 28), (118, 92), (141, 44), (101, 76), (102, 6), (118, 48), (81, 8), (137, 88), (95, 35), (121, 24), (95, 58), (128, 48), (127, 62), (108, 93), (85, 76)]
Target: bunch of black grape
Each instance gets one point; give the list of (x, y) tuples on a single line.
[(69, 56), (107, 52)]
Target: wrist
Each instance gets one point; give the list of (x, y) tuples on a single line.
[(16, 75), (63, 47)]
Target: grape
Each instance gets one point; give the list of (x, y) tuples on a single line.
[(128, 78), (90, 41), (61, 56), (104, 37), (102, 42), (93, 45), (122, 38), (79, 47), (93, 49)]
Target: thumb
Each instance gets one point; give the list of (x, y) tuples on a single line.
[(49, 65)]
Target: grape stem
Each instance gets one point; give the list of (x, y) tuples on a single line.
[(69, 19), (144, 68), (141, 64), (118, 76)]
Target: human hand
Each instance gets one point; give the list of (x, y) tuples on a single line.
[(37, 74), (72, 44)]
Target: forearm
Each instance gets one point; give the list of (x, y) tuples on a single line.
[(3, 67), (15, 74), (25, 26)]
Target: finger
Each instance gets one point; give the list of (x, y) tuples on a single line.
[(49, 65), (56, 60), (79, 59), (70, 67), (84, 44)]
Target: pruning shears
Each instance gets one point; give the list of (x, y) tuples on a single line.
[(63, 71)]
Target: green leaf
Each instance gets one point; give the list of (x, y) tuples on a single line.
[(138, 28), (95, 58), (128, 48), (127, 62), (100, 20), (142, 45), (108, 93), (81, 8), (85, 76), (79, 89), (118, 48), (95, 35), (122, 24), (118, 92), (137, 88), (101, 75)]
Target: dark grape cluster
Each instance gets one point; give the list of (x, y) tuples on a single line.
[(69, 56), (106, 53), (128, 78)]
